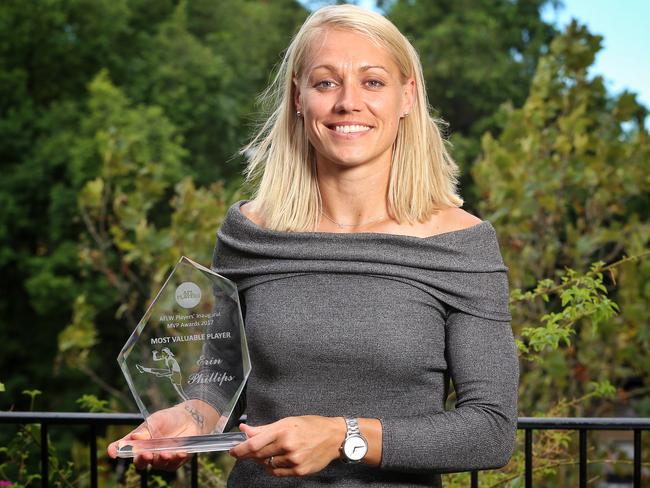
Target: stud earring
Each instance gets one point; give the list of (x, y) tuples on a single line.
[(298, 113)]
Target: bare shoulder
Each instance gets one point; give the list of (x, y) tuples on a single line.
[(450, 220), (459, 219), (251, 212)]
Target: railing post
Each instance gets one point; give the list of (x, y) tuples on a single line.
[(474, 479), (93, 456), (528, 453), (144, 478), (45, 457), (583, 457), (195, 471), (637, 458)]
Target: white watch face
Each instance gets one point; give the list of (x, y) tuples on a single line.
[(355, 447)]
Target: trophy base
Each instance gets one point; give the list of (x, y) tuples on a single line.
[(199, 443)]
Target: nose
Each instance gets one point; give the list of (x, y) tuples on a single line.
[(349, 99)]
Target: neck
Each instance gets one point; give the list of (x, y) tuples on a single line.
[(354, 197)]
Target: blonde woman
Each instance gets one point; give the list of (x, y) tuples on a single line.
[(366, 287)]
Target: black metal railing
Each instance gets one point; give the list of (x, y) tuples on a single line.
[(529, 424), (583, 425), (92, 420)]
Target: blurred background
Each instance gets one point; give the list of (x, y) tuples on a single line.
[(120, 124)]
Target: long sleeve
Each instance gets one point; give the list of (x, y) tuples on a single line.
[(480, 433)]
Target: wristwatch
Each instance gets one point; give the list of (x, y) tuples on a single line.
[(354, 446)]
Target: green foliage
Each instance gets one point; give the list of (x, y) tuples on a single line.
[(19, 458), (554, 186), (80, 335), (555, 176), (602, 389), (566, 186), (581, 297), (170, 83), (476, 56), (32, 394), (211, 475), (140, 214), (91, 403), (19, 461)]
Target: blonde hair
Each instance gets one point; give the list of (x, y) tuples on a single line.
[(282, 163)]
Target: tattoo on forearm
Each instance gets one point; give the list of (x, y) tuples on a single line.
[(196, 415)]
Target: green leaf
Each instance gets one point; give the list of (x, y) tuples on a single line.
[(603, 389), (93, 404), (91, 195), (78, 337), (32, 393)]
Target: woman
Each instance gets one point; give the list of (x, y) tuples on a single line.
[(365, 286)]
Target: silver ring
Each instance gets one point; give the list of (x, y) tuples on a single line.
[(270, 462)]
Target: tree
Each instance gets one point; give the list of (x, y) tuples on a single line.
[(140, 215), (476, 56), (192, 67), (48, 51), (566, 184)]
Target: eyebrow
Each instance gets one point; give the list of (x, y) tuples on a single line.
[(363, 68)]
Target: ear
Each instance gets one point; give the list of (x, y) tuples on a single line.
[(296, 94), (408, 95)]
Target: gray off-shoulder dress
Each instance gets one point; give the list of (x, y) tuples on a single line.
[(375, 325)]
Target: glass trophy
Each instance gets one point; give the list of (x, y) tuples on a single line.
[(186, 364)]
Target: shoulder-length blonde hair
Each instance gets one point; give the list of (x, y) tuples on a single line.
[(281, 161)]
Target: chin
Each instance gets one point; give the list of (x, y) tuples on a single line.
[(350, 161), (350, 157)]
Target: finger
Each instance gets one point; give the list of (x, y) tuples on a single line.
[(166, 461), (279, 462), (249, 430), (112, 449), (265, 452), (177, 457), (254, 444), (114, 446), (280, 469), (174, 465), (282, 472), (180, 460), (141, 461), (140, 432), (161, 461), (142, 428)]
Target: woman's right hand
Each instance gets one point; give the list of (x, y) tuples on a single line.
[(177, 421)]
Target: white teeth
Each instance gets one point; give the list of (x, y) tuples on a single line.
[(345, 129)]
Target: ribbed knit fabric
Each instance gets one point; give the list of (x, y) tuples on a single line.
[(374, 325)]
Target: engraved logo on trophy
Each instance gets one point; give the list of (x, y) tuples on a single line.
[(187, 362), (188, 295)]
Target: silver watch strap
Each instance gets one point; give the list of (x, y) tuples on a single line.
[(353, 426)]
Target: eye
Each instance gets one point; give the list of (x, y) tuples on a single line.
[(375, 83), (324, 84)]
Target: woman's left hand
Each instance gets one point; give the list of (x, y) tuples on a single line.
[(293, 446)]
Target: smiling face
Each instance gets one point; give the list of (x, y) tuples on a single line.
[(352, 96)]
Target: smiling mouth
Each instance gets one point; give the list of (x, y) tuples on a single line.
[(349, 129)]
